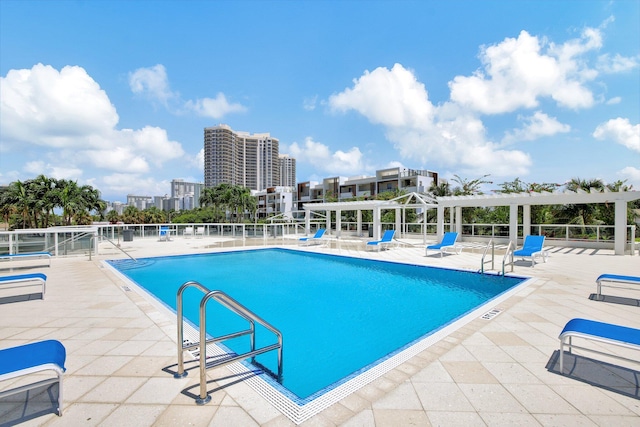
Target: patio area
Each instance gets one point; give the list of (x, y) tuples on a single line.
[(500, 370)]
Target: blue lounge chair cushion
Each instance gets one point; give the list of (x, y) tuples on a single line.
[(23, 277), (386, 238), (532, 245), (617, 278), (609, 331), (31, 355), (318, 235), (448, 239)]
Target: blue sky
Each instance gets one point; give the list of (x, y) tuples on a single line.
[(116, 94)]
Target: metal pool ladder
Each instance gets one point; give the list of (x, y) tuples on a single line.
[(233, 305), (507, 260)]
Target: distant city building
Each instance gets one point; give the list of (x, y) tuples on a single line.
[(287, 166), (340, 188), (140, 202), (187, 193), (274, 201), (240, 158)]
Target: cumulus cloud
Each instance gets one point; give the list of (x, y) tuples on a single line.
[(54, 108), (537, 126), (446, 135), (617, 63), (153, 82), (338, 162), (631, 175), (72, 121), (518, 72), (389, 97), (216, 108), (621, 131), (309, 104)]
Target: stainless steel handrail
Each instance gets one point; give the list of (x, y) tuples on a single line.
[(493, 249), (93, 238), (237, 308), (507, 254)]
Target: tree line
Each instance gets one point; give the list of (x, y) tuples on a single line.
[(33, 203)]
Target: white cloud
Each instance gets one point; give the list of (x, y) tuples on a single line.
[(445, 135), (615, 100), (47, 107), (518, 72), (621, 131), (631, 175), (537, 126), (215, 108), (617, 63), (388, 97), (71, 118), (152, 82), (336, 163), (309, 104)]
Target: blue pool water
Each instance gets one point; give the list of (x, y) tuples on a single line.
[(338, 315)]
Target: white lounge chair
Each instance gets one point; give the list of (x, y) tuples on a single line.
[(316, 239), (33, 358), (532, 248), (384, 243), (24, 280), (600, 332), (188, 232), (448, 243), (200, 232)]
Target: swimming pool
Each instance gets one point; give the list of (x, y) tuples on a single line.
[(339, 316)]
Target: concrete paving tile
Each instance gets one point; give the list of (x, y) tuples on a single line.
[(593, 401), (113, 390), (563, 420), (491, 398), (466, 419), (442, 397), (509, 419), (540, 399), (232, 416), (469, 373), (435, 372), (147, 366), (105, 365), (403, 397), (511, 373), (157, 391), (363, 418), (85, 414), (133, 416), (186, 416), (397, 417), (76, 386)]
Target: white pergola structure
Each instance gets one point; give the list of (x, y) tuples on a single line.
[(619, 198), (407, 201)]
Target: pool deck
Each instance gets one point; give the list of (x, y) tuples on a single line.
[(500, 371)]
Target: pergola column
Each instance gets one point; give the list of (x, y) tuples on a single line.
[(513, 224), (399, 222), (377, 227), (328, 220), (526, 220), (620, 230), (307, 221), (359, 222), (458, 221), (338, 223), (439, 221)]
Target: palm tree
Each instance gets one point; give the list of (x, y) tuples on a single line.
[(469, 187), (113, 217)]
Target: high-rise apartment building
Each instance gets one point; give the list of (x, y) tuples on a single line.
[(240, 158), (287, 170)]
